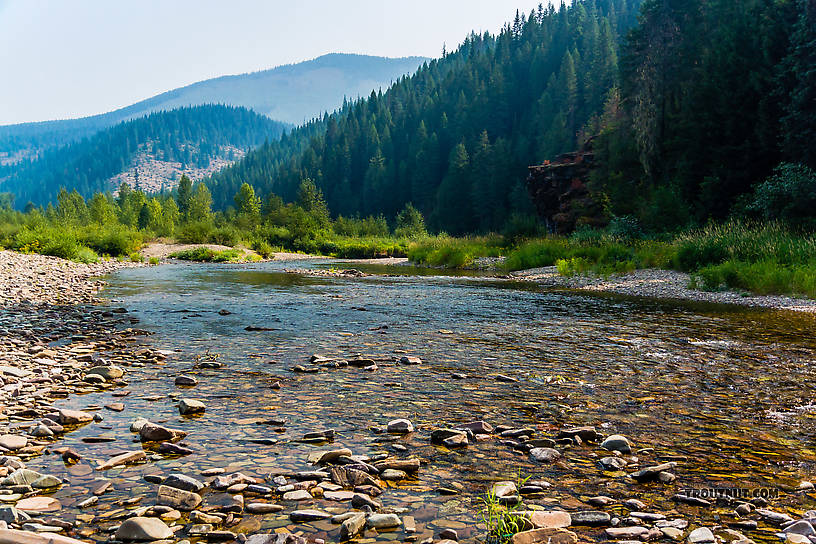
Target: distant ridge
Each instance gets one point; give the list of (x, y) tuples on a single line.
[(292, 93)]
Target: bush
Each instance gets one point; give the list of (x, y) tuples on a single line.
[(263, 248), (113, 241), (454, 252), (86, 255), (196, 232), (204, 254), (788, 195)]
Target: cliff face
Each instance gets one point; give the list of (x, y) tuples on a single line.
[(559, 191)]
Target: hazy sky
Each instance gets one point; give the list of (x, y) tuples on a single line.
[(61, 59)]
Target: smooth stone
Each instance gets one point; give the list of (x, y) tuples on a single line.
[(626, 533), (400, 426), (617, 442), (177, 498), (393, 475), (308, 515), (801, 527), (297, 495), (107, 373), (587, 434), (74, 417), (263, 508), (38, 504), (123, 459), (591, 518), (13, 441), (143, 529), (46, 481), (545, 455), (13, 536), (181, 481), (350, 527), (151, 432), (188, 407), (701, 535), (187, 381), (383, 521), (545, 536), (21, 476), (612, 463), (550, 519), (504, 489), (328, 456)]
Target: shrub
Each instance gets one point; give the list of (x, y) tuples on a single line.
[(136, 257), (263, 248), (153, 261), (195, 232), (521, 226), (86, 255), (788, 195)]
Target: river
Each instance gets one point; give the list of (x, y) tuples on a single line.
[(726, 392)]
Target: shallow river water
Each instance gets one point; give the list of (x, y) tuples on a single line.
[(726, 392)]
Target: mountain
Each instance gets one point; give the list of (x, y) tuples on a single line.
[(455, 139), (149, 153), (293, 93)]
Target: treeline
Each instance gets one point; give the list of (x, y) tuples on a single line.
[(104, 225), (715, 94), (192, 136), (455, 138)]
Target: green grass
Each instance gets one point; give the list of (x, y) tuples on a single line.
[(206, 255), (602, 256), (449, 252)]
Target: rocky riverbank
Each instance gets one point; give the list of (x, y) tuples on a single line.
[(660, 284)]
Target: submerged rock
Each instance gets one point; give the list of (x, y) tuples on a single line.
[(143, 529)]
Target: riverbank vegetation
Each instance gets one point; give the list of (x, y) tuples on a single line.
[(108, 226)]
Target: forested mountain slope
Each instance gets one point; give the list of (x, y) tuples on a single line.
[(455, 139), (149, 153), (293, 93)]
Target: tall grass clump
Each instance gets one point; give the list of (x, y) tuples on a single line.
[(449, 252)]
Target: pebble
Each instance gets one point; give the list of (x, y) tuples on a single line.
[(143, 529)]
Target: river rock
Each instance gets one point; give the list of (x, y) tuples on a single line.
[(393, 475), (652, 473), (38, 504), (351, 526), (545, 536), (13, 441), (612, 463), (383, 521), (21, 476), (263, 508), (504, 489), (400, 426), (185, 381), (476, 427), (297, 495), (13, 536), (587, 434), (108, 373), (626, 533), (451, 438), (123, 459), (328, 456), (46, 481), (181, 481), (701, 535), (143, 529), (777, 518), (74, 417), (188, 407), (617, 442), (41, 431), (550, 519), (801, 527), (591, 518), (151, 432), (177, 498), (300, 516), (411, 464), (545, 455)]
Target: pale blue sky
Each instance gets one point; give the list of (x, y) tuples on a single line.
[(61, 59)]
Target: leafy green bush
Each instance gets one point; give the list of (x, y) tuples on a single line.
[(454, 252), (195, 232), (86, 255), (788, 195), (763, 277), (204, 254)]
